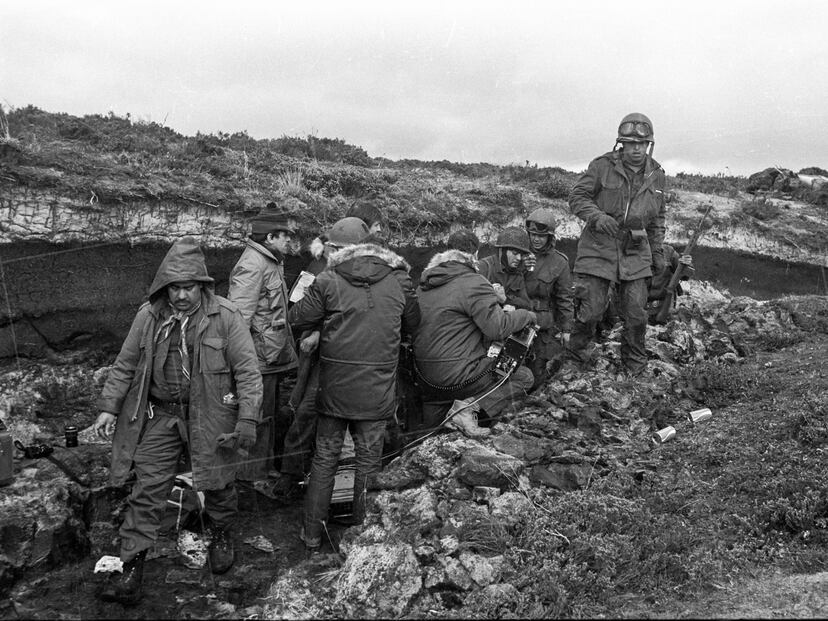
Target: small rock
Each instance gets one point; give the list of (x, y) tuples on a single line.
[(485, 494), (260, 542), (480, 568), (109, 564), (183, 576), (449, 544)]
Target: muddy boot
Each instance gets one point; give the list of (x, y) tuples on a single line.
[(220, 551), (126, 587), (463, 418), (312, 544)]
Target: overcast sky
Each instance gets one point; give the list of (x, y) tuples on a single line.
[(731, 86)]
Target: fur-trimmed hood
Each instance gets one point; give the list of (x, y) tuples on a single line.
[(445, 266), (362, 264), (457, 256)]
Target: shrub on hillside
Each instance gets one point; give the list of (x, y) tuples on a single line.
[(555, 187), (719, 184), (761, 209), (326, 149), (814, 170)]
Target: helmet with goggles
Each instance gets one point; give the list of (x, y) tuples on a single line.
[(635, 127), (515, 238), (541, 222)]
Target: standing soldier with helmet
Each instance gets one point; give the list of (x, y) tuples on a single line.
[(549, 286), (621, 199), (506, 268)]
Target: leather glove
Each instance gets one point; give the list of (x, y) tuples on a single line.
[(246, 430), (658, 262), (533, 319), (606, 224)]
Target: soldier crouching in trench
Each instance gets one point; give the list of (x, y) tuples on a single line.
[(187, 377)]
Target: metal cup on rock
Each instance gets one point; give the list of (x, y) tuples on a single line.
[(697, 416), (664, 435)]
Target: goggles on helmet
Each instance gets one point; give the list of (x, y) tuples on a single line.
[(635, 129), (539, 228)]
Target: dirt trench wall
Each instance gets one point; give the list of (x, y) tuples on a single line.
[(73, 272), (73, 269), (58, 298)]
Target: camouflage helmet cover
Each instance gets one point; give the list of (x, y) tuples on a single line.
[(513, 237)]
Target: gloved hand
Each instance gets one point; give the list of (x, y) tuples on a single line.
[(606, 224), (565, 339), (658, 262), (533, 318), (686, 260), (246, 433)]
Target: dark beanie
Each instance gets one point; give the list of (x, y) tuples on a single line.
[(464, 240), (269, 220)]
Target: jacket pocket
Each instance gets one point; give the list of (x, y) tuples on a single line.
[(275, 345), (612, 199), (214, 355)]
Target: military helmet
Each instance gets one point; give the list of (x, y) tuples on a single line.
[(635, 127), (347, 231), (513, 237), (541, 222)]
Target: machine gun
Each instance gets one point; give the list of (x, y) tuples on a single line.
[(670, 290)]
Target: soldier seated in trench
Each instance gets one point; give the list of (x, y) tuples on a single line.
[(460, 317)]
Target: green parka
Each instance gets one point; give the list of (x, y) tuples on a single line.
[(361, 303), (223, 362), (459, 319), (605, 188), (549, 287)]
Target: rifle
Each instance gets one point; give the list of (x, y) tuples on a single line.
[(670, 290)]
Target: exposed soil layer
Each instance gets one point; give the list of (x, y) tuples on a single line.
[(61, 296)]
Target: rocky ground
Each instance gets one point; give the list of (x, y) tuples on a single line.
[(568, 509)]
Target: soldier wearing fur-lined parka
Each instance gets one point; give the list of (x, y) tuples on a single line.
[(362, 301)]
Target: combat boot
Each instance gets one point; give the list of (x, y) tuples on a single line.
[(126, 587), (463, 418), (221, 553)]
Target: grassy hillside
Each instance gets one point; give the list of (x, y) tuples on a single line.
[(115, 159), (109, 160)]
